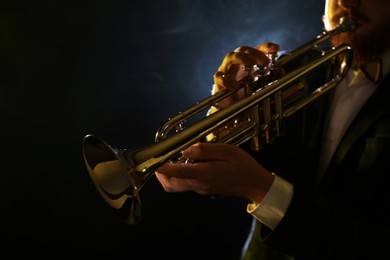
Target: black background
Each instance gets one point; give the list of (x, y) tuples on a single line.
[(118, 69)]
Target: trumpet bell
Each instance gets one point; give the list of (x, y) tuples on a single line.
[(110, 176)]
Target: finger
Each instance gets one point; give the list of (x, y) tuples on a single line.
[(208, 151), (223, 81), (177, 170), (172, 184), (248, 58), (226, 62), (260, 54), (268, 47)]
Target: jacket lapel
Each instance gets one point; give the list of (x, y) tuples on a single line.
[(374, 109)]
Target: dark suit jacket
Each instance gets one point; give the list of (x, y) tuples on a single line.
[(346, 216)]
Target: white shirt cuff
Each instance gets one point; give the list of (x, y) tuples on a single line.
[(272, 208)]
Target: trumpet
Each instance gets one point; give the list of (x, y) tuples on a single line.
[(120, 174)]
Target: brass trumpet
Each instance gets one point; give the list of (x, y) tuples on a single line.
[(119, 174)]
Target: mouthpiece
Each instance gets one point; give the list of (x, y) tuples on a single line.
[(346, 24)]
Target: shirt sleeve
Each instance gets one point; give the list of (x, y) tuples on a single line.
[(272, 208)]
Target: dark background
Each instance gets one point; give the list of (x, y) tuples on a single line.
[(118, 69)]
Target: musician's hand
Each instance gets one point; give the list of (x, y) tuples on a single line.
[(222, 169), (232, 70)]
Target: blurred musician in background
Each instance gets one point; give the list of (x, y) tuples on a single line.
[(320, 192)]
